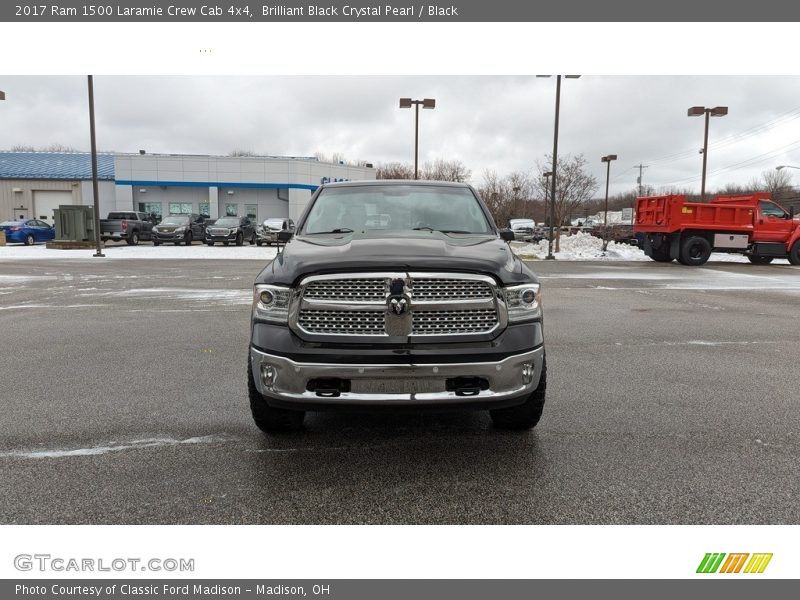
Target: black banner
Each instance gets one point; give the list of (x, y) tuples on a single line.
[(399, 11), (397, 589)]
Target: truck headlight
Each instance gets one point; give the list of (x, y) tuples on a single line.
[(523, 302), (271, 303)]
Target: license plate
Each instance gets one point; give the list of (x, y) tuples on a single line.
[(397, 386)]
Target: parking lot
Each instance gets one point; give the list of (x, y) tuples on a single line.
[(672, 399)]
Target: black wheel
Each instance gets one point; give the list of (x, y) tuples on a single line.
[(239, 239), (156, 243), (526, 415), (794, 253), (660, 254), (266, 417), (224, 243), (133, 239), (258, 242), (211, 243), (253, 239), (30, 240), (760, 260), (695, 251), (187, 239)]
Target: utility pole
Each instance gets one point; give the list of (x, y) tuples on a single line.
[(639, 179), (641, 168)]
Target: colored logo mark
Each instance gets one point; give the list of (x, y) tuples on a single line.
[(719, 562)]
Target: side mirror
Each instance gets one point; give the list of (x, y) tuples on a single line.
[(284, 236), (507, 235)]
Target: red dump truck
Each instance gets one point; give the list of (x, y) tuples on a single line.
[(669, 227)]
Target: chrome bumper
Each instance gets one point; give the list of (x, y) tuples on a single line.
[(290, 380)]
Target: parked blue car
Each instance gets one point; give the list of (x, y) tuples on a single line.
[(28, 231)]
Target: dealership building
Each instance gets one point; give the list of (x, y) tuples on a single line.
[(33, 184)]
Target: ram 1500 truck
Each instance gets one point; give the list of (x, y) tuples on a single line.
[(423, 308), (670, 228)]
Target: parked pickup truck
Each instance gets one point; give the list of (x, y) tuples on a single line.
[(431, 310), (128, 226), (670, 228)]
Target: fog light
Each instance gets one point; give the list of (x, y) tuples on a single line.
[(268, 374), (527, 373), (266, 298)]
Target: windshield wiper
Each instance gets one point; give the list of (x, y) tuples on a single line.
[(339, 230), (426, 228)]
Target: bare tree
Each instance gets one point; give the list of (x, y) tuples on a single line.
[(236, 153), (510, 197), (445, 170), (48, 148), (394, 170), (574, 187), (776, 182)]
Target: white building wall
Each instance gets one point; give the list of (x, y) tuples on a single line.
[(278, 186), (108, 196)]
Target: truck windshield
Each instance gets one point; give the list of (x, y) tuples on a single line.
[(375, 208)]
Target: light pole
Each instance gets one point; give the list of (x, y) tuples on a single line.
[(426, 103), (94, 170), (547, 175), (607, 160), (555, 162), (697, 111)]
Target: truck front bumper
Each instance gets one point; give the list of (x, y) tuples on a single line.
[(285, 382)]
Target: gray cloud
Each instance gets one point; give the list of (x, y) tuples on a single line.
[(499, 123)]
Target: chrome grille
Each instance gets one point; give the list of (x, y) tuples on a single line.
[(337, 322), (347, 289), (450, 289), (444, 322), (440, 305)]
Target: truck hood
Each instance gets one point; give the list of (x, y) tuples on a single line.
[(419, 252)]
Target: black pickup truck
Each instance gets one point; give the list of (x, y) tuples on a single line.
[(126, 225), (424, 308)]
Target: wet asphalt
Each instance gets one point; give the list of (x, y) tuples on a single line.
[(673, 399)]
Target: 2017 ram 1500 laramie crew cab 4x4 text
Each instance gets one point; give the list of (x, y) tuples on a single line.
[(424, 307)]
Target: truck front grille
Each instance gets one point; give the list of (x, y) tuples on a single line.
[(392, 305), (444, 322), (347, 289), (339, 322)]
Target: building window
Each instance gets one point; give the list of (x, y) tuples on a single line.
[(231, 210), (204, 208), (251, 210), (180, 208), (151, 208)]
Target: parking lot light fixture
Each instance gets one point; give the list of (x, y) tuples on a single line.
[(2, 95), (786, 167), (429, 103), (607, 159), (699, 111)]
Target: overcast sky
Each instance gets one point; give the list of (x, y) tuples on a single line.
[(499, 123)]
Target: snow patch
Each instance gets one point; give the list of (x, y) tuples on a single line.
[(111, 447)]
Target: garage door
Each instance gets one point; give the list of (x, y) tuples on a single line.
[(46, 201)]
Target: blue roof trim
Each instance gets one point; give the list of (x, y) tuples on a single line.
[(55, 165), (222, 184)]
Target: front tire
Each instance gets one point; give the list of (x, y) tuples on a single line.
[(239, 239), (155, 243), (210, 243), (760, 260), (30, 240), (253, 239), (267, 418), (794, 253), (695, 251), (526, 415), (187, 239)]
